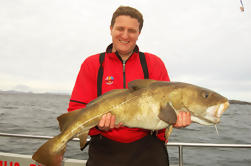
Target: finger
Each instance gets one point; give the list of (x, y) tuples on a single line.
[(108, 121), (119, 125), (112, 124), (182, 119), (185, 119), (178, 120), (189, 118), (102, 121)]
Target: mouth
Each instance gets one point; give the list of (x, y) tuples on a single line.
[(212, 115), (123, 41)]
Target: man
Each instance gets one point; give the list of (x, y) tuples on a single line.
[(114, 144)]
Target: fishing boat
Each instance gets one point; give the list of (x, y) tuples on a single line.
[(11, 159)]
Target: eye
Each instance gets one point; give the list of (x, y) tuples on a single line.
[(205, 95), (119, 28), (132, 30)]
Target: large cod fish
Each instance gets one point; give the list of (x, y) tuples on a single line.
[(146, 104)]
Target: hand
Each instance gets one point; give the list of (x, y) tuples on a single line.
[(107, 122), (183, 119)]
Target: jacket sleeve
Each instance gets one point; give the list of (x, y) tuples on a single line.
[(85, 86), (157, 71)]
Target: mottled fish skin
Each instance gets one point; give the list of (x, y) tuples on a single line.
[(146, 104)]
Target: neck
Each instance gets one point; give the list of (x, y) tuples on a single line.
[(124, 57)]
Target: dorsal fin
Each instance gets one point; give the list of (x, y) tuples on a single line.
[(105, 95), (140, 83)]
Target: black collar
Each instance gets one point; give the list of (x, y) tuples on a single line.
[(109, 49)]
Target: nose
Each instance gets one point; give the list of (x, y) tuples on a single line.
[(124, 34)]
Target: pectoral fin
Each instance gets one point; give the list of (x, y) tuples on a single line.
[(167, 114)]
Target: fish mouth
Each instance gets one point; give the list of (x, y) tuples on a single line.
[(212, 114), (217, 110)]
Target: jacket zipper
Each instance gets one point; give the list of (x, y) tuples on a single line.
[(124, 76), (123, 63)]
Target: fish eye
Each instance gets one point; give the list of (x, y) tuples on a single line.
[(205, 95)]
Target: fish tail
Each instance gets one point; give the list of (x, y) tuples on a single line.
[(50, 153)]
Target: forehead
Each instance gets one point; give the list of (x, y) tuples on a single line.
[(126, 21)]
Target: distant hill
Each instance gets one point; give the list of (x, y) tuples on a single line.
[(239, 102), (22, 88), (20, 92), (67, 94)]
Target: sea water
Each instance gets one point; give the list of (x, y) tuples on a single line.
[(35, 114)]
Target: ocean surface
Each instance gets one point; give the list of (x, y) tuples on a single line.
[(35, 114)]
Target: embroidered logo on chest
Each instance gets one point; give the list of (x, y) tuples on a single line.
[(109, 80)]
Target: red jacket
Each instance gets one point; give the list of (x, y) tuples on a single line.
[(85, 89)]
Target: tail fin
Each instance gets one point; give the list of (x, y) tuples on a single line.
[(51, 153)]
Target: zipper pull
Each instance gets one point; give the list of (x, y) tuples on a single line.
[(124, 76), (124, 62)]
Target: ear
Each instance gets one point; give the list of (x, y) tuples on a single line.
[(111, 29)]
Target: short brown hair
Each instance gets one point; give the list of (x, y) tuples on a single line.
[(128, 11)]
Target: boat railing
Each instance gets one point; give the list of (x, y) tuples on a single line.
[(180, 145)]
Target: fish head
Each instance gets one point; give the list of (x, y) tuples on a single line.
[(206, 106)]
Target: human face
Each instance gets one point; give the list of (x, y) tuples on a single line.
[(125, 33)]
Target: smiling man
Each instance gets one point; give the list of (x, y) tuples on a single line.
[(114, 144), (125, 32)]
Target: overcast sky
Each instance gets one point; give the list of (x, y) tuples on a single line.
[(204, 42)]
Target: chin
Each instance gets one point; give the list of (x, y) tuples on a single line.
[(125, 50)]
